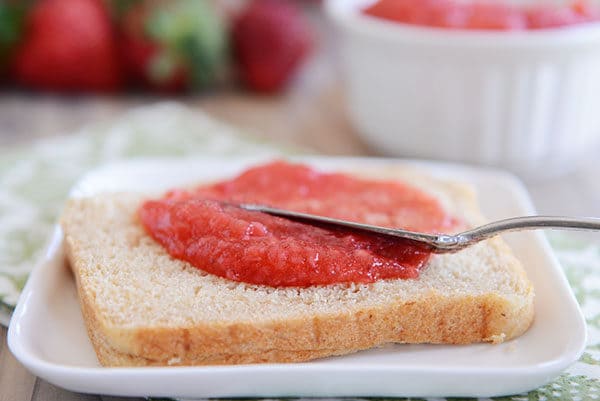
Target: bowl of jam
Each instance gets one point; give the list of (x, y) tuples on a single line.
[(507, 84)]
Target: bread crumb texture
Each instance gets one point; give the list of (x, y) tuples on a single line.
[(142, 307)]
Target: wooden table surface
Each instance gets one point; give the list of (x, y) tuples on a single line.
[(311, 114)]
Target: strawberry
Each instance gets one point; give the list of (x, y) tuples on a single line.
[(270, 40), (69, 45), (173, 45)]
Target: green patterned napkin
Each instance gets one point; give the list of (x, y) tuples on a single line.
[(34, 182)]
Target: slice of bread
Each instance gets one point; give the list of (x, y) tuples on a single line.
[(142, 307)]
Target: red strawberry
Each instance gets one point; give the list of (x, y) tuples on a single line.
[(270, 40), (69, 45)]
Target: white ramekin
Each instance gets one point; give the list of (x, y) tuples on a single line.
[(526, 101)]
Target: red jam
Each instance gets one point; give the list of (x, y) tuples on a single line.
[(485, 15), (257, 248)]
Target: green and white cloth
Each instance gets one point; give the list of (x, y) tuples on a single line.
[(34, 182)]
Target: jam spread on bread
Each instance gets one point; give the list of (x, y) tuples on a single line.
[(253, 247)]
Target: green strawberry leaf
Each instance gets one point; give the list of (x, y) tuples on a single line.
[(163, 66), (118, 8), (191, 32), (12, 16)]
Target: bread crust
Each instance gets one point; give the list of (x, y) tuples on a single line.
[(432, 317)]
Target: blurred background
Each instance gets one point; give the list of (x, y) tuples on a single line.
[(509, 84), (69, 62)]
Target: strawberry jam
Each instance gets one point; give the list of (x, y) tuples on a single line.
[(497, 15), (253, 247)]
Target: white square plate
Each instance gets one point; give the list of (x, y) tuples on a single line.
[(48, 336)]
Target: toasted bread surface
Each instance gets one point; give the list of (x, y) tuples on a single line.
[(142, 307)]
